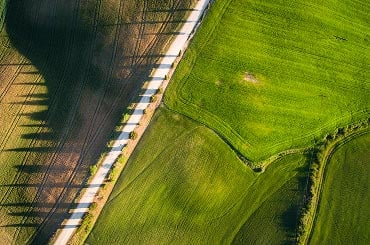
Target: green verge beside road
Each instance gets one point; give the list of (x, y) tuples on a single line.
[(190, 187), (343, 211), (272, 75)]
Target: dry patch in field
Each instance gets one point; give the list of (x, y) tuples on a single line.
[(250, 77)]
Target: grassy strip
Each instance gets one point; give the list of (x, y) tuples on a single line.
[(319, 157)]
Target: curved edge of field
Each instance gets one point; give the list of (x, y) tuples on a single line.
[(173, 97), (167, 195), (182, 102), (342, 212), (279, 214)]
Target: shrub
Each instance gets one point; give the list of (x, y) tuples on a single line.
[(121, 160), (125, 117), (93, 169), (160, 91), (133, 135), (113, 174), (93, 206), (86, 223), (328, 137), (340, 131), (153, 98)]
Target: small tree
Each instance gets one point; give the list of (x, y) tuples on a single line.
[(153, 98), (133, 135), (93, 169), (113, 174), (121, 159), (93, 206), (125, 117)]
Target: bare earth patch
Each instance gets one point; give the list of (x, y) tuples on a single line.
[(250, 77)]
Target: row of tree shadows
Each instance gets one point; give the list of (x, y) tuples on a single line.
[(77, 65), (63, 48)]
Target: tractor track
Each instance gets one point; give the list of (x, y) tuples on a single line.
[(15, 122), (94, 129), (80, 161), (67, 128), (33, 142), (139, 58)]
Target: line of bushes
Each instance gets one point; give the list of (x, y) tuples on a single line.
[(318, 157)]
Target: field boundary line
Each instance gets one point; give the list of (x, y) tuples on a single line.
[(326, 161), (159, 77), (314, 189)]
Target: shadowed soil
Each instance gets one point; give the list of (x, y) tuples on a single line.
[(68, 71)]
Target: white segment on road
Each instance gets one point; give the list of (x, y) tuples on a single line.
[(177, 46)]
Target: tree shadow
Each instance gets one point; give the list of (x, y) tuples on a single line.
[(58, 46), (91, 71)]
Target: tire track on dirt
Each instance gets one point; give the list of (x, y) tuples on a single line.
[(17, 118), (28, 50), (89, 138), (65, 189), (140, 59), (66, 233), (71, 178), (34, 140), (40, 128), (13, 125), (57, 203)]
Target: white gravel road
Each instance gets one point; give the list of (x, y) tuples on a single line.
[(179, 44)]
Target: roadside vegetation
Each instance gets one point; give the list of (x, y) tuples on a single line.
[(319, 157)]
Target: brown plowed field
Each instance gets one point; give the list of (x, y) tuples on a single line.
[(68, 71)]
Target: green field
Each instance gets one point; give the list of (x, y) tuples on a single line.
[(260, 77), (271, 75), (343, 211), (189, 187)]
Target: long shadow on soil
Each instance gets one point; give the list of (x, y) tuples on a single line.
[(59, 46), (91, 74)]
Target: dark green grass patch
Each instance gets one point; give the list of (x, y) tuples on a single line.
[(343, 212), (184, 185), (272, 75)]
